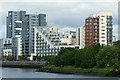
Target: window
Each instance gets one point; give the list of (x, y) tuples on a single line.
[(90, 23), (102, 37), (102, 16), (103, 33), (103, 26), (95, 26), (101, 19), (102, 23), (33, 16), (90, 26), (33, 22), (8, 41), (90, 30), (33, 19), (95, 30), (90, 33), (103, 30), (95, 23), (10, 25), (10, 13), (5, 42), (90, 20), (103, 40)]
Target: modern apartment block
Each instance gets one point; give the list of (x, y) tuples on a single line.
[(10, 21), (69, 38), (106, 28), (92, 30), (98, 29), (28, 22), (80, 37), (31, 21), (45, 41)]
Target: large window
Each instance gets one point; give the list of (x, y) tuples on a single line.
[(103, 33)]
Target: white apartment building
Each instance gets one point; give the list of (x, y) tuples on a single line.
[(80, 37), (45, 42), (99, 29), (105, 28)]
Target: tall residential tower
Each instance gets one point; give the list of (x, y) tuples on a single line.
[(28, 22), (99, 29)]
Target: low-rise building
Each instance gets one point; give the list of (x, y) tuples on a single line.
[(69, 38), (6, 47)]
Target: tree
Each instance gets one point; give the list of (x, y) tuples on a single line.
[(65, 57), (88, 58), (108, 56)]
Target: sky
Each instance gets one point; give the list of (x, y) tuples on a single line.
[(67, 15)]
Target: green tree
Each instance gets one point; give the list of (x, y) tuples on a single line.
[(88, 58), (65, 57), (108, 57)]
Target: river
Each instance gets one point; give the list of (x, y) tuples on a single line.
[(30, 73)]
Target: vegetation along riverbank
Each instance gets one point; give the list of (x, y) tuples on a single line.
[(93, 59)]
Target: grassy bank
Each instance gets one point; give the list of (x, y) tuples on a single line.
[(22, 64), (73, 70)]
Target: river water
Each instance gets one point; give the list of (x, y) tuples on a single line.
[(30, 73)]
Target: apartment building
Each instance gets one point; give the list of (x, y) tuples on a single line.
[(31, 21), (28, 22), (10, 21), (99, 29), (45, 41), (92, 30), (106, 28)]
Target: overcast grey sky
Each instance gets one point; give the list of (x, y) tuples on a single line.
[(66, 15)]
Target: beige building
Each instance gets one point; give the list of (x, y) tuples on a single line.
[(80, 37), (69, 38)]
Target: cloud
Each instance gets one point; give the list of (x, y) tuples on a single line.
[(60, 1), (60, 12), (66, 28), (115, 31)]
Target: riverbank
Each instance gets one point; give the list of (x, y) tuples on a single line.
[(23, 64), (40, 66), (72, 70)]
